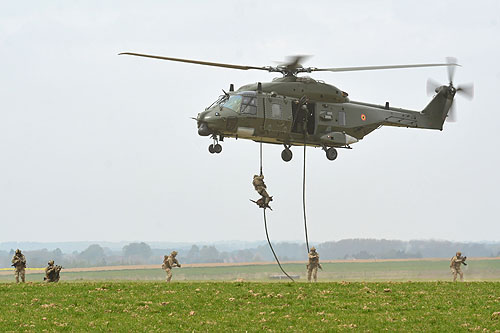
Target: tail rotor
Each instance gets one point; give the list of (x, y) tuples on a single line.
[(466, 90)]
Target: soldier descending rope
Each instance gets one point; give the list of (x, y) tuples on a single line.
[(260, 187)]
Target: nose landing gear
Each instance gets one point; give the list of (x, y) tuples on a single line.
[(215, 148)]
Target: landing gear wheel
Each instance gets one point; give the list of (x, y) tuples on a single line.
[(286, 155), (211, 149), (217, 148), (331, 153)]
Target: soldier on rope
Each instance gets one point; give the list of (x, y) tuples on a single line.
[(260, 187)]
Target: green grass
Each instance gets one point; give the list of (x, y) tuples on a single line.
[(250, 306), (477, 270)]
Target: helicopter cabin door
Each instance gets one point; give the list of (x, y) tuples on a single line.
[(304, 118), (277, 117)]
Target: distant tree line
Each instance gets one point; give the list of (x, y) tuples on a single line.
[(142, 253)]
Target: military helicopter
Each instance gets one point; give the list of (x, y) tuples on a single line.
[(295, 110)]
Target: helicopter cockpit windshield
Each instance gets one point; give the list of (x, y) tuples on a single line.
[(233, 103), (242, 102)]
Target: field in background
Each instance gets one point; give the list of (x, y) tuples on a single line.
[(386, 270), (250, 306)]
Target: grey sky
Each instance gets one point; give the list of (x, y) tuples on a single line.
[(95, 146)]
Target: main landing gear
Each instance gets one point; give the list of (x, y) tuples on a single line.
[(215, 148), (331, 153)]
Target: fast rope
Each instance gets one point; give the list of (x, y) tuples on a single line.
[(265, 226), (304, 195)]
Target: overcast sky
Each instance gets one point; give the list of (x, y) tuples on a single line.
[(95, 146)]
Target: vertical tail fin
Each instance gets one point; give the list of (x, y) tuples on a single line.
[(438, 108)]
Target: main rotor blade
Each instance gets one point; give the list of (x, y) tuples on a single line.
[(206, 63), (294, 61), (369, 68)]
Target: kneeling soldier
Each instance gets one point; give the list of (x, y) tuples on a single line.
[(52, 272)]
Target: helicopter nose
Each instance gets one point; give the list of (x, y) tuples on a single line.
[(203, 129)]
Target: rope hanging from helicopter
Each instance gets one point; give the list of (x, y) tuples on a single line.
[(302, 104), (304, 195), (265, 226)]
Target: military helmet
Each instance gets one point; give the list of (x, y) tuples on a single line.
[(459, 253), (174, 253), (313, 248), (51, 262), (18, 251), (254, 176)]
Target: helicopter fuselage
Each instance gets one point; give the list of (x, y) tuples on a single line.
[(297, 111), (294, 110)]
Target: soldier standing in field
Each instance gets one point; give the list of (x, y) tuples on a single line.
[(19, 263), (313, 265), (455, 265), (169, 263)]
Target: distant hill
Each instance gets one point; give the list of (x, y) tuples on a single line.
[(100, 253)]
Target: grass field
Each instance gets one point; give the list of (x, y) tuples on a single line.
[(420, 270), (250, 306)]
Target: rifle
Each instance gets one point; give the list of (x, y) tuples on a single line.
[(19, 263), (261, 203), (463, 261)]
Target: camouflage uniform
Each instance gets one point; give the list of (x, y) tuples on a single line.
[(455, 264), (52, 272), (260, 187), (169, 263), (313, 265), (19, 262)]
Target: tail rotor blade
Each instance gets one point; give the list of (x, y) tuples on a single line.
[(452, 114), (466, 90), (451, 69), (431, 87)]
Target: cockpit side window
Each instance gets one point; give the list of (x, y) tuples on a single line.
[(249, 105)]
